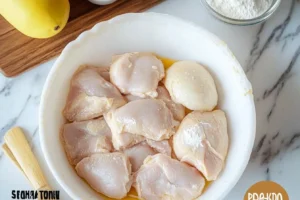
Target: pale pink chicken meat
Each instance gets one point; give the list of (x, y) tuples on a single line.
[(137, 73), (177, 110), (163, 146), (91, 95), (202, 141), (107, 173), (124, 140), (139, 152), (164, 178), (130, 97), (147, 117), (82, 139)]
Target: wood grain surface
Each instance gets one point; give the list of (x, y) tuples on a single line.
[(19, 53)]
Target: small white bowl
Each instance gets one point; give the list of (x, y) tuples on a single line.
[(102, 2), (169, 37), (244, 22)]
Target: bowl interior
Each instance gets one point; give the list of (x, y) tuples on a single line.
[(169, 37)]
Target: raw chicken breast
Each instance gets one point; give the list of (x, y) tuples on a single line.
[(177, 110), (138, 153), (107, 173), (147, 117), (82, 139), (191, 85), (91, 95), (202, 141), (137, 73), (164, 178)]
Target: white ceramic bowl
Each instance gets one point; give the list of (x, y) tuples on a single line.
[(169, 37), (102, 2)]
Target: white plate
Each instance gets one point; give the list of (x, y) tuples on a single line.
[(169, 37)]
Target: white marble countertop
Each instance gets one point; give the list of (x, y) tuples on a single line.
[(269, 53)]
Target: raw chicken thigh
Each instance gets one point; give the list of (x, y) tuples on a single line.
[(177, 110), (164, 178), (91, 95), (107, 173), (124, 140), (202, 141), (82, 139), (130, 97), (145, 139), (139, 152), (191, 85), (137, 73), (163, 146), (147, 117)]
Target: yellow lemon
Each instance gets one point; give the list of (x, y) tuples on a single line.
[(36, 18)]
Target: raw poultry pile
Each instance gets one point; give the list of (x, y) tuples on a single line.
[(127, 126)]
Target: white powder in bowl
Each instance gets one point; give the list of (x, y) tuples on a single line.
[(240, 9)]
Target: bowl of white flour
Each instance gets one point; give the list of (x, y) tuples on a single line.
[(242, 12)]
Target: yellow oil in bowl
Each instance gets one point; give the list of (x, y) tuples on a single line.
[(166, 61)]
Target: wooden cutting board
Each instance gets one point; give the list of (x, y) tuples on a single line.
[(19, 53)]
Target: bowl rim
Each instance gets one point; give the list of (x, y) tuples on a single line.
[(98, 27)]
